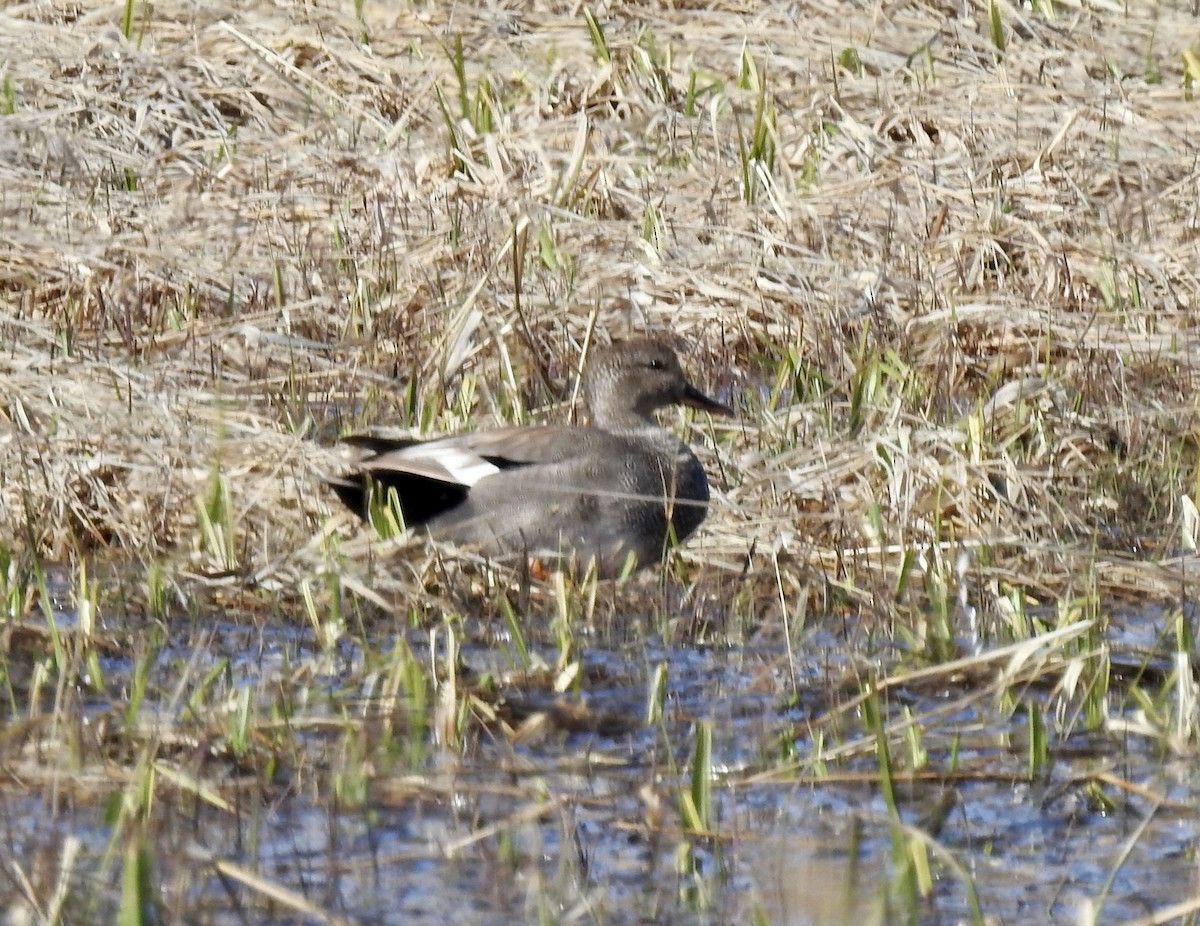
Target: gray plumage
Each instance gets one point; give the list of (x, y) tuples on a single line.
[(611, 490)]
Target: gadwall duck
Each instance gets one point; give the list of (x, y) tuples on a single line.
[(616, 490)]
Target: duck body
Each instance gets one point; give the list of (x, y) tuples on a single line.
[(617, 490)]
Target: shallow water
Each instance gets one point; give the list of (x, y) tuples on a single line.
[(577, 816)]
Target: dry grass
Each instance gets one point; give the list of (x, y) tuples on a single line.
[(243, 222), (233, 233), (951, 289)]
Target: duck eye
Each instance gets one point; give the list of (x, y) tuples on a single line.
[(657, 364)]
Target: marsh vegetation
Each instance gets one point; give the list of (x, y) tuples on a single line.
[(930, 658)]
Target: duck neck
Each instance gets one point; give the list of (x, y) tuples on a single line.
[(625, 421)]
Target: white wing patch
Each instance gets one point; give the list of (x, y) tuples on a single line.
[(446, 463)]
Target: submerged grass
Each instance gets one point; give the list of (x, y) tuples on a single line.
[(944, 268)]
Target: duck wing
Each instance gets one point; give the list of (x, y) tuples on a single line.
[(464, 459), (433, 477)]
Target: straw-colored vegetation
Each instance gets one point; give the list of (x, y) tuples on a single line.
[(941, 258)]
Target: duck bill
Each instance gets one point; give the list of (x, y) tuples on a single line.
[(694, 398)]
